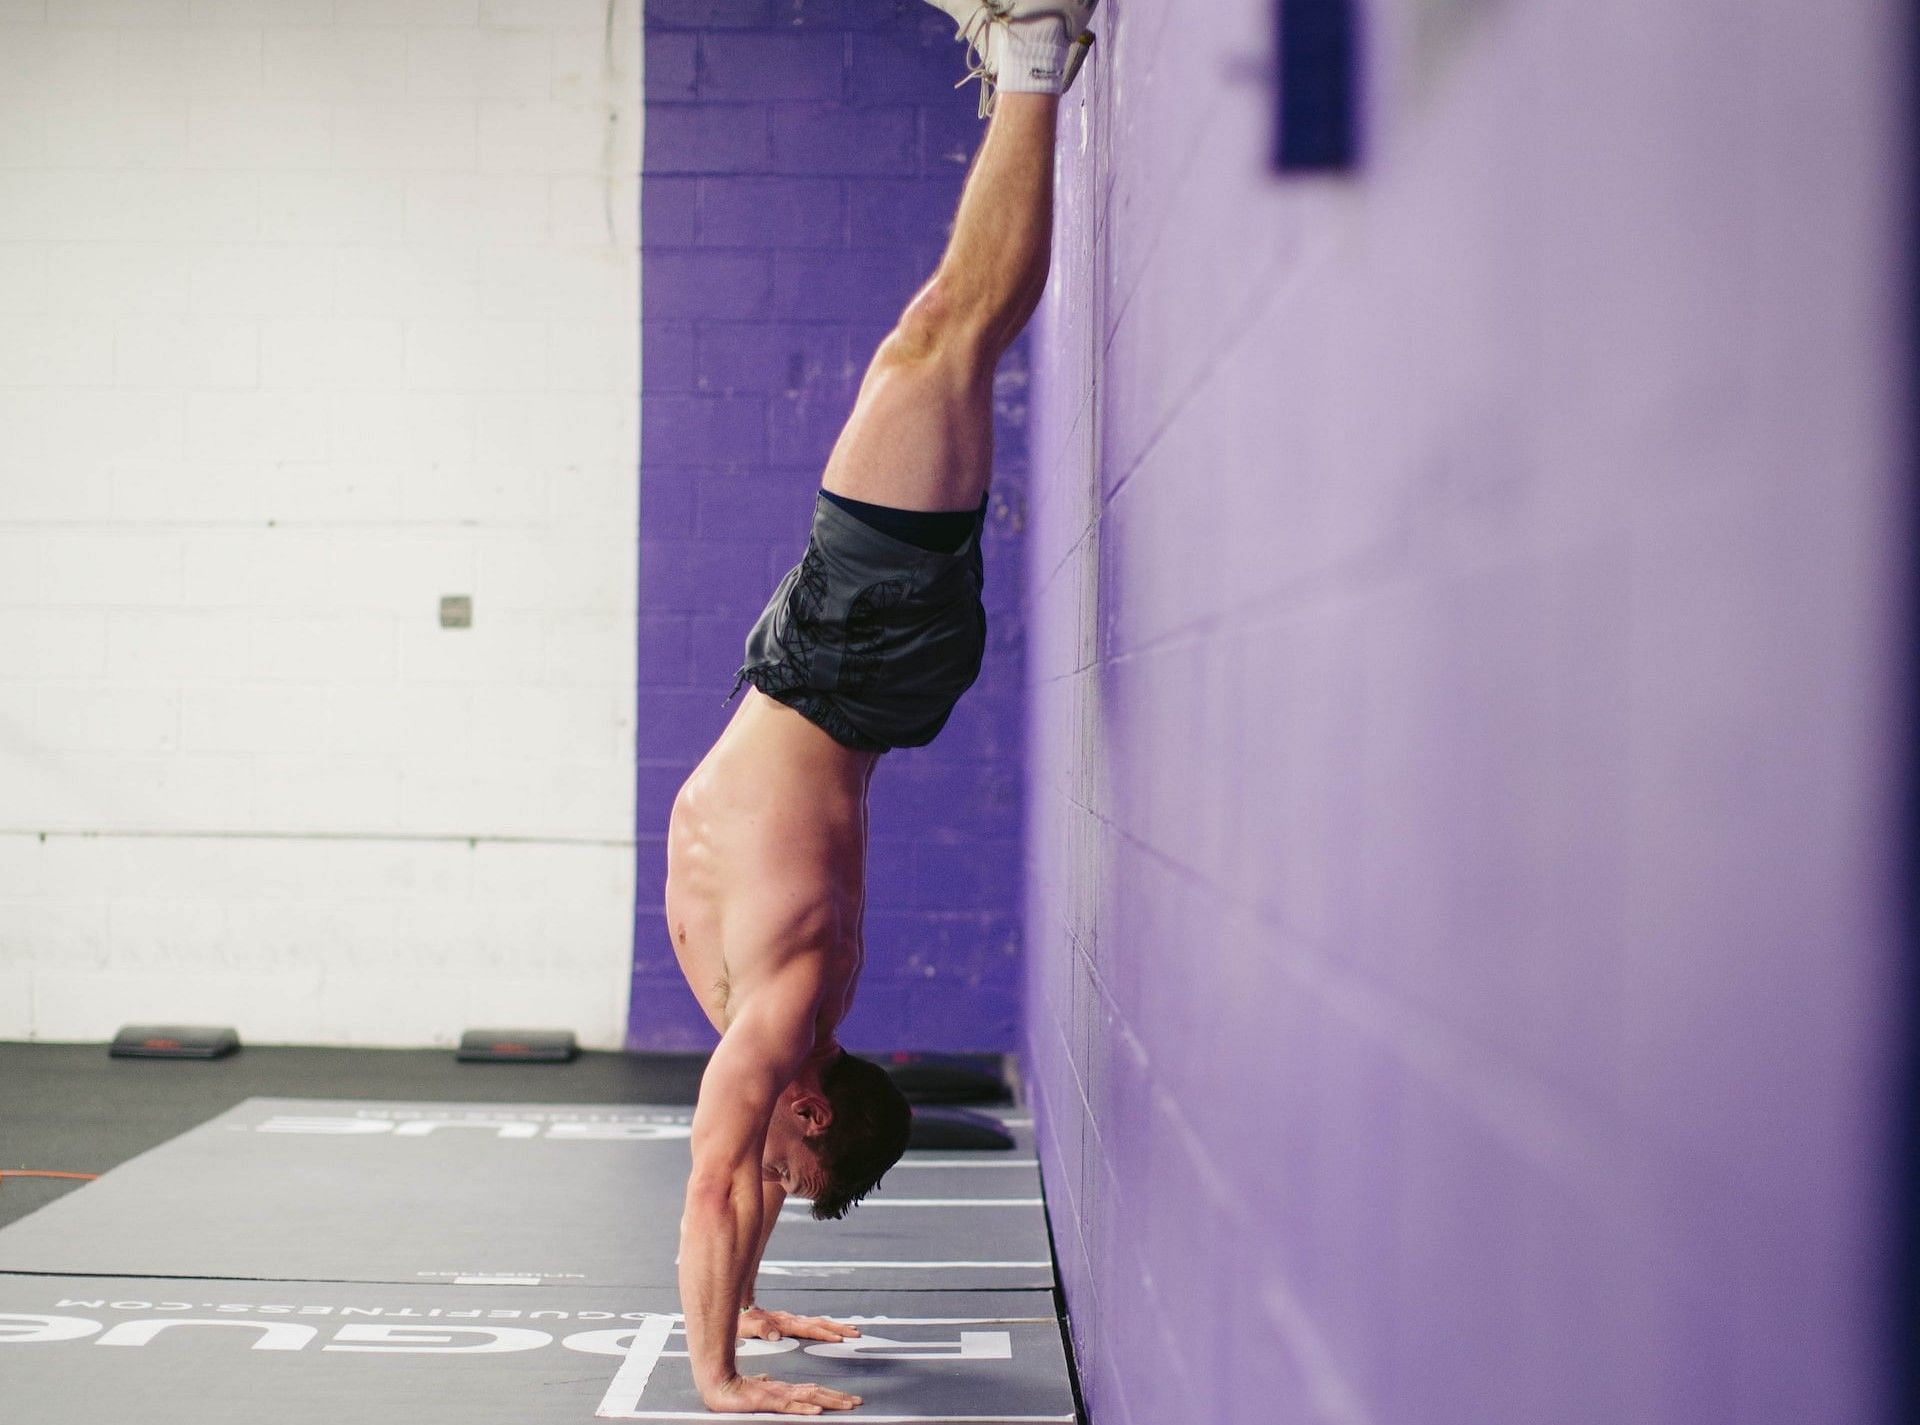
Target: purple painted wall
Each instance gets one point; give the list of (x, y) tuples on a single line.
[(1463, 660), (802, 161)]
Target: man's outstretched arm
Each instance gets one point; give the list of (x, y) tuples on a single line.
[(758, 1322), (721, 1227)]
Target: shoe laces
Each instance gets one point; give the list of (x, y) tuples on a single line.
[(976, 31)]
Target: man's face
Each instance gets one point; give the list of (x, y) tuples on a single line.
[(791, 1157)]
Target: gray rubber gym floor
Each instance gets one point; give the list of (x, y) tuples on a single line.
[(361, 1244)]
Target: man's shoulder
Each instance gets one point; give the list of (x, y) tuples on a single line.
[(778, 1008)]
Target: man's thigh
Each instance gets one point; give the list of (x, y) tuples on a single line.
[(920, 438)]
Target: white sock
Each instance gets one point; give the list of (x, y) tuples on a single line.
[(1029, 58)]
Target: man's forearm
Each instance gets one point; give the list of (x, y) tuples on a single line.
[(720, 1233), (772, 1198)]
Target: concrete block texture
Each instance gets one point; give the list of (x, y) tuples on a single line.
[(788, 213), (319, 311), (1463, 605)]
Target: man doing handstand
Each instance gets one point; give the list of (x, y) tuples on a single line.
[(865, 646)]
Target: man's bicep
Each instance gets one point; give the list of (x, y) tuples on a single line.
[(757, 1057), (737, 1094)]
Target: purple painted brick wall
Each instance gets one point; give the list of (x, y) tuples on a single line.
[(1463, 648), (803, 158)]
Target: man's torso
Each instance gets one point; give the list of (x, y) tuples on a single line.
[(765, 856)]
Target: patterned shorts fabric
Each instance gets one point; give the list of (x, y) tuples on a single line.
[(870, 637)]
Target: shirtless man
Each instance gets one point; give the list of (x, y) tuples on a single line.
[(866, 645)]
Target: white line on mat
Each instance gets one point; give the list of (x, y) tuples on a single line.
[(944, 1201), (861, 1416), (918, 1266), (636, 1369)]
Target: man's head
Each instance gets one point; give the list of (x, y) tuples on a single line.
[(832, 1137)]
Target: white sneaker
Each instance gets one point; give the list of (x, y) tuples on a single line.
[(1070, 15), (988, 27)]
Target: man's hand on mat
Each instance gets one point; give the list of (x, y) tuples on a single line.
[(744, 1394), (762, 1325)]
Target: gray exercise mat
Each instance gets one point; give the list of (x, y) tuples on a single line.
[(466, 1194), (209, 1352)]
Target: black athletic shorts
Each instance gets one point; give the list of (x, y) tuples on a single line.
[(871, 637)]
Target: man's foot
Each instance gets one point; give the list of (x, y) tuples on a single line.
[(965, 13), (1022, 46)]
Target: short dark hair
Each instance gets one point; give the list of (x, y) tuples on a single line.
[(866, 1136)]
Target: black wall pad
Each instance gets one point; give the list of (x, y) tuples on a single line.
[(1318, 78), (577, 1194), (213, 1352)]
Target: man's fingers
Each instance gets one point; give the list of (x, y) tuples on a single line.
[(814, 1328), (823, 1397), (826, 1395), (792, 1398)]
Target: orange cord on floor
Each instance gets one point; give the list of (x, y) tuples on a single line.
[(6, 1173)]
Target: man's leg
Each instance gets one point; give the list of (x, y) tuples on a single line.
[(921, 433)]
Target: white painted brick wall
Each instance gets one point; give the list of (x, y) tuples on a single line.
[(301, 328)]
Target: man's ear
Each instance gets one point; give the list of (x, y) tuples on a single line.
[(814, 1112)]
